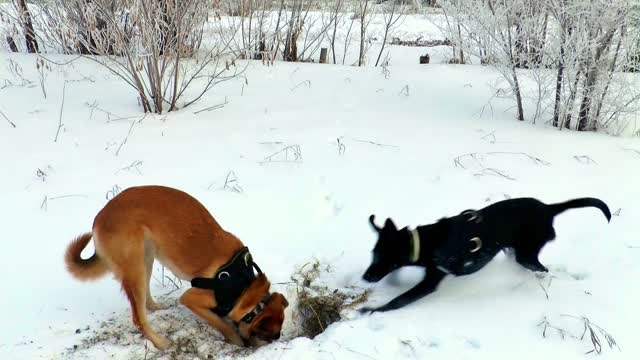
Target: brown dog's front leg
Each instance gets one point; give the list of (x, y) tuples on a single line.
[(201, 301)]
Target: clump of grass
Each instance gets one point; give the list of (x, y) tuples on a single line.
[(318, 306), (595, 334)]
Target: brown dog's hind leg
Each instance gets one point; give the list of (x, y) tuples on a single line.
[(149, 256), (200, 302), (134, 287)]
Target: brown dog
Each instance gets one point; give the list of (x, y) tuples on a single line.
[(154, 222)]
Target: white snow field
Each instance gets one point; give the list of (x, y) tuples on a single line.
[(426, 142)]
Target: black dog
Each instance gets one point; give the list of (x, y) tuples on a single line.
[(465, 243)]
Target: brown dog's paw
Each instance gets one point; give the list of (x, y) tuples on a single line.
[(162, 343), (256, 342), (235, 339), (154, 306)]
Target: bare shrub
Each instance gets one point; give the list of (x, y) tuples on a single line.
[(154, 46)]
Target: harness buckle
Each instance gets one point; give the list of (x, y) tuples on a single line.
[(471, 215)]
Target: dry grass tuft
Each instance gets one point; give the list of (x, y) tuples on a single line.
[(317, 306)]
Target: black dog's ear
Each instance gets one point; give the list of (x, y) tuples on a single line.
[(390, 225), (372, 219)]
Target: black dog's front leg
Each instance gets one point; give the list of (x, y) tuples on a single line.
[(422, 289)]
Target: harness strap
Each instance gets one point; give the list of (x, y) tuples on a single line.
[(230, 281)]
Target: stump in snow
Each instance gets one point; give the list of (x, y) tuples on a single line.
[(323, 55)]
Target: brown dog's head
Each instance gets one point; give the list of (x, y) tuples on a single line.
[(266, 324)]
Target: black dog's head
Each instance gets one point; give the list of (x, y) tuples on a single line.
[(390, 252)]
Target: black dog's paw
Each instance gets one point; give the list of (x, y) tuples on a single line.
[(540, 269), (367, 310)]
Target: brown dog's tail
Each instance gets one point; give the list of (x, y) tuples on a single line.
[(580, 203), (89, 269)]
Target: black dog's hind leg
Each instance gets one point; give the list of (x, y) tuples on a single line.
[(527, 252), (422, 289), (530, 262)]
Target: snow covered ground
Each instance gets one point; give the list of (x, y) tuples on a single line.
[(426, 142)]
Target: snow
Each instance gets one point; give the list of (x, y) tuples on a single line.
[(401, 137)]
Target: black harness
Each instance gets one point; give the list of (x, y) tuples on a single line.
[(230, 282), (465, 252)]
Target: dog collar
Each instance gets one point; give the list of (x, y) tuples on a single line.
[(256, 310), (415, 246)]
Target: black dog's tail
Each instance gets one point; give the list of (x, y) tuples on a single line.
[(580, 203)]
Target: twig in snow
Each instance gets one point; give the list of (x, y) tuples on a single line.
[(354, 351), (45, 202), (64, 88), (271, 143), (404, 91), (94, 107), (595, 332), (488, 103), (632, 150), (68, 196), (584, 159), (6, 118), (230, 183), (16, 70), (385, 67), (491, 136), (341, 147), (294, 72), (492, 171), (40, 174), (291, 153), (174, 282), (124, 141), (42, 69), (214, 107), (533, 158), (115, 190), (408, 344), (545, 324), (306, 82), (544, 288), (376, 143), (457, 161), (134, 166), (478, 156)]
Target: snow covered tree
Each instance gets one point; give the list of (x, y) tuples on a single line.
[(589, 44)]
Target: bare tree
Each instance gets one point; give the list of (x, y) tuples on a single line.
[(29, 33), (392, 15), (489, 25), (585, 42), (337, 15), (365, 18)]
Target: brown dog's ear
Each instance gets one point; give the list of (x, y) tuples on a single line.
[(372, 219), (283, 300)]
